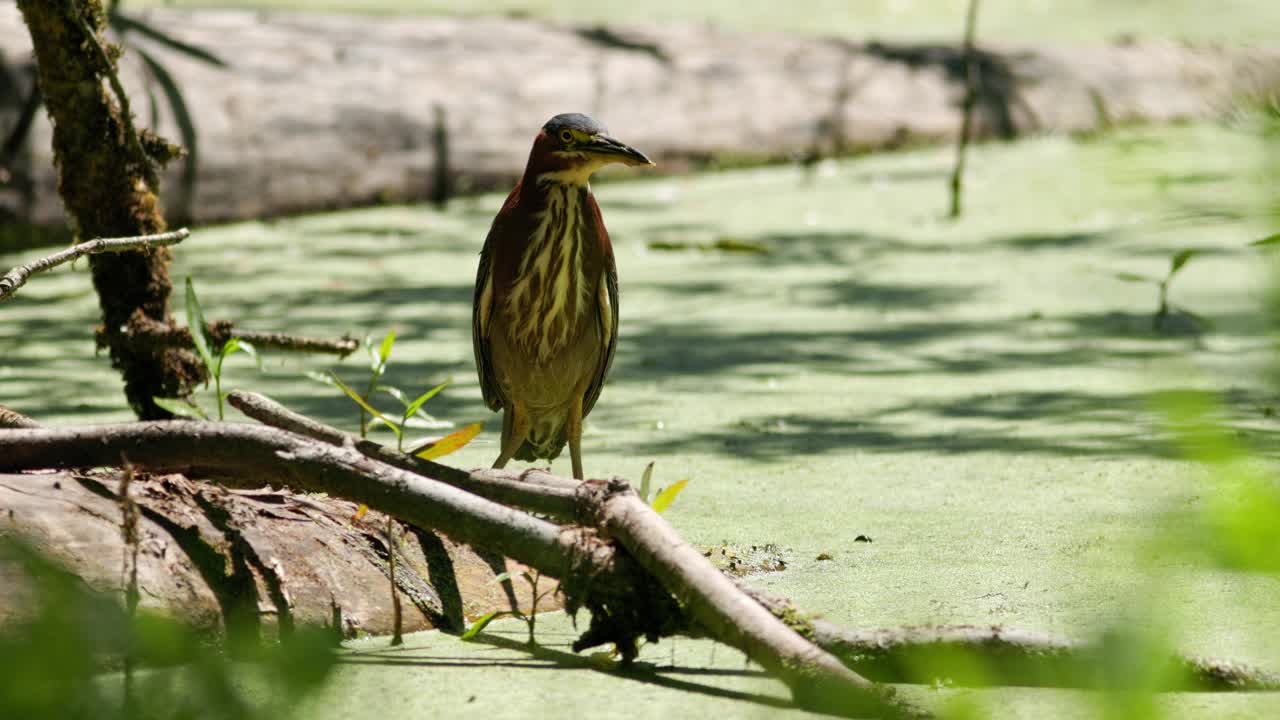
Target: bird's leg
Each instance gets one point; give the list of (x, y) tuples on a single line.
[(515, 428), (573, 428)]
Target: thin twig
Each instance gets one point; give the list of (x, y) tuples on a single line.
[(145, 331), (129, 567), (970, 99), (533, 490), (397, 636), (17, 277)]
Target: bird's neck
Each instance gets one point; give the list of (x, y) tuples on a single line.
[(550, 284)]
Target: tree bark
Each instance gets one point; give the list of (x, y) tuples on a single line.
[(107, 182)]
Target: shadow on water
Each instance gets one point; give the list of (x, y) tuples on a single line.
[(545, 657), (1060, 423)]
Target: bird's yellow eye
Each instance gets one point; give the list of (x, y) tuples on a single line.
[(566, 136)]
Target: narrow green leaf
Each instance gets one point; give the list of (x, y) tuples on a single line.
[(450, 443), (645, 480), (355, 396), (180, 407), (384, 350), (668, 496), (479, 625), (247, 348), (1179, 260), (195, 323), (394, 392), (1269, 240), (1134, 277), (124, 23), (502, 577), (320, 377), (414, 406)]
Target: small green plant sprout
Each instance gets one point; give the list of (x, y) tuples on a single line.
[(664, 497), (412, 415), (204, 343), (378, 359), (1166, 309), (530, 619)]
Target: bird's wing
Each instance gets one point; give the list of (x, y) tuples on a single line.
[(606, 313), (483, 305)]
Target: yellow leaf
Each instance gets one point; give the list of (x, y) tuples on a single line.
[(450, 443), (668, 496)]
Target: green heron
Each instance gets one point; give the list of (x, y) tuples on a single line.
[(545, 320)]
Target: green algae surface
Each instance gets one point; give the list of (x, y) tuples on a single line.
[(912, 420)]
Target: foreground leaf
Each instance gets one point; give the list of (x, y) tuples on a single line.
[(452, 442), (480, 624), (668, 496), (645, 479), (1269, 240), (1181, 260)]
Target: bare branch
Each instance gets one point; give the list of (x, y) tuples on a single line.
[(532, 490), (148, 332), (17, 277)]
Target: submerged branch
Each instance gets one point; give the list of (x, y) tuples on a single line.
[(977, 655)]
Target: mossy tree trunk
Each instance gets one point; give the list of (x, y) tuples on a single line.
[(108, 184)]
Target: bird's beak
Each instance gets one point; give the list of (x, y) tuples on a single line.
[(614, 151)]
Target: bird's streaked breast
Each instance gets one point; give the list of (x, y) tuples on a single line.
[(550, 293)]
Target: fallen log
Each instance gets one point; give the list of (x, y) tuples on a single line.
[(308, 117), (624, 601)]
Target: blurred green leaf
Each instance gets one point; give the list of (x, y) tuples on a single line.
[(123, 24), (182, 116), (1269, 240), (384, 350), (423, 398), (235, 345), (320, 377), (1134, 278), (645, 479), (195, 323), (394, 392), (668, 496), (1180, 260), (480, 624), (502, 577)]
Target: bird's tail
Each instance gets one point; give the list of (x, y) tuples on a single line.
[(545, 441)]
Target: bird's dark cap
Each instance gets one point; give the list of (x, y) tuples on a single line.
[(574, 121)]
